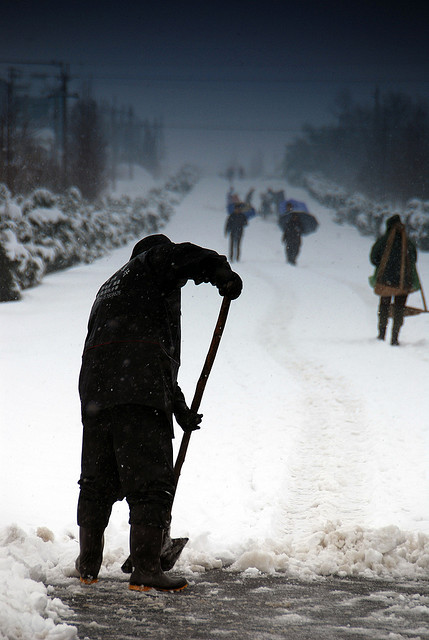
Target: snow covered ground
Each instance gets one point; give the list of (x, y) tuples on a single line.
[(313, 454)]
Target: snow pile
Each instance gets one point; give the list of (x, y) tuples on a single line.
[(26, 609), (342, 551)]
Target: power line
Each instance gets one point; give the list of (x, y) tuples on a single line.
[(226, 127), (298, 76)]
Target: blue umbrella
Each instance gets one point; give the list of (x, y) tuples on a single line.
[(309, 223), (295, 204)]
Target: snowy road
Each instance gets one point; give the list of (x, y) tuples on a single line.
[(327, 426), (313, 453), (312, 428), (258, 607)]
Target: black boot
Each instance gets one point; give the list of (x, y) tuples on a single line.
[(394, 341), (398, 319), (170, 553), (145, 546), (383, 316), (88, 562)]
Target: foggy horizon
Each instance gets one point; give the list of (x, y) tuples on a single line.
[(227, 80)]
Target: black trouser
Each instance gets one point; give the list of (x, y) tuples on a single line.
[(293, 245), (126, 452), (234, 246), (398, 314)]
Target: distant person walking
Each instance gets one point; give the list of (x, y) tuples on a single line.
[(394, 255), (234, 226), (249, 196), (232, 199), (292, 231), (295, 221), (265, 209), (278, 197)]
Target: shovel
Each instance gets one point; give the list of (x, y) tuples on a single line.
[(173, 547)]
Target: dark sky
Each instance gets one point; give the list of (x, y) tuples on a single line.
[(243, 71)]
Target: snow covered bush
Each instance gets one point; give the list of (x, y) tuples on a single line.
[(9, 287), (5, 194), (42, 198), (417, 216), (44, 232), (326, 192), (368, 216), (183, 181)]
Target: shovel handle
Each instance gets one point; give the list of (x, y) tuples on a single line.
[(202, 381), (423, 297)]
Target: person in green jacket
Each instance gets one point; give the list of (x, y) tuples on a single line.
[(394, 255)]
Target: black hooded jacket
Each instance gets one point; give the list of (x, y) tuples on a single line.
[(235, 224), (391, 275), (132, 349)]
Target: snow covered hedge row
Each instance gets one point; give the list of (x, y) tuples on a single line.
[(44, 232), (368, 216)]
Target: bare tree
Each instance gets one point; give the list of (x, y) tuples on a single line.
[(382, 150), (87, 146)]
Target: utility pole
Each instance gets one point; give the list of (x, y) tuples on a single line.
[(61, 113), (115, 143), (64, 94), (10, 126), (130, 142), (110, 113), (61, 94), (64, 79)]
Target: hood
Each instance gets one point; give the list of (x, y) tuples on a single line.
[(147, 243), (390, 222)]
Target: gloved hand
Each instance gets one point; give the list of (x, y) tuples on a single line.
[(228, 282), (189, 420)]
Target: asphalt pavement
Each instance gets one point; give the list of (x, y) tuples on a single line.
[(223, 604)]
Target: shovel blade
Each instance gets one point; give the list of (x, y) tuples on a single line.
[(127, 567), (170, 554)]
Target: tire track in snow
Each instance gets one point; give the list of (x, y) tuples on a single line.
[(328, 477), (329, 469)]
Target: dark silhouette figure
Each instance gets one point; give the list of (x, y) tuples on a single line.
[(234, 226), (394, 256), (129, 394), (292, 231), (278, 197)]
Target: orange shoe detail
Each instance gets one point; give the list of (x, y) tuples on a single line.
[(144, 588), (88, 580), (139, 587)]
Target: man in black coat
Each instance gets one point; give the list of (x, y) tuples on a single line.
[(234, 226), (292, 231), (129, 394)]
